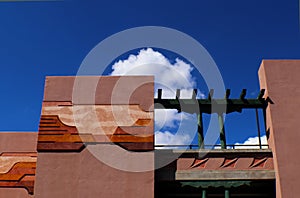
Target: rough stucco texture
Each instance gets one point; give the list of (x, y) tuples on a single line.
[(89, 131), (281, 79), (17, 163)]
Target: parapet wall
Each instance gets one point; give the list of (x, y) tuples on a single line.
[(18, 158), (96, 138), (281, 79)]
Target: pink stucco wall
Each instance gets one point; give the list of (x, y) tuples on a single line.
[(18, 141), (116, 171), (281, 79), (76, 175), (17, 159)]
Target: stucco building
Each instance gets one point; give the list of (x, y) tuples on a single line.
[(96, 139)]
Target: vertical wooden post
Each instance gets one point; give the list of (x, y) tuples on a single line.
[(203, 193), (226, 193), (258, 128), (177, 94), (159, 93), (222, 131), (200, 131)]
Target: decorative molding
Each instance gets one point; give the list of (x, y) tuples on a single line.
[(56, 136), (216, 175), (18, 170), (228, 161), (124, 118), (258, 162), (199, 163)]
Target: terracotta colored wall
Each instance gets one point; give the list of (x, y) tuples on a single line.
[(281, 79), (18, 141), (96, 138), (76, 175), (14, 193), (17, 164)]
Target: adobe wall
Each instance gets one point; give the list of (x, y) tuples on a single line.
[(96, 138), (17, 164), (79, 175), (281, 79), (18, 141)]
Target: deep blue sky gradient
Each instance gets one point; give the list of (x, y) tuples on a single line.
[(38, 39)]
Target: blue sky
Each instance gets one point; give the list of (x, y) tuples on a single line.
[(38, 39)]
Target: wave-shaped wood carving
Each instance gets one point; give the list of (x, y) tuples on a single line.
[(18, 171), (55, 136)]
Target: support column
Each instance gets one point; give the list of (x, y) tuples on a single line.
[(222, 131), (203, 193), (200, 131), (227, 193), (258, 129)]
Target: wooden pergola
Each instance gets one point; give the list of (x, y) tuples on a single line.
[(210, 105)]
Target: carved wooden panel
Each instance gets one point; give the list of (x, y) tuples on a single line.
[(65, 126), (17, 170), (253, 161)]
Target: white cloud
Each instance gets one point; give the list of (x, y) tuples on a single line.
[(168, 138), (169, 77), (252, 141), (169, 118), (173, 128)]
